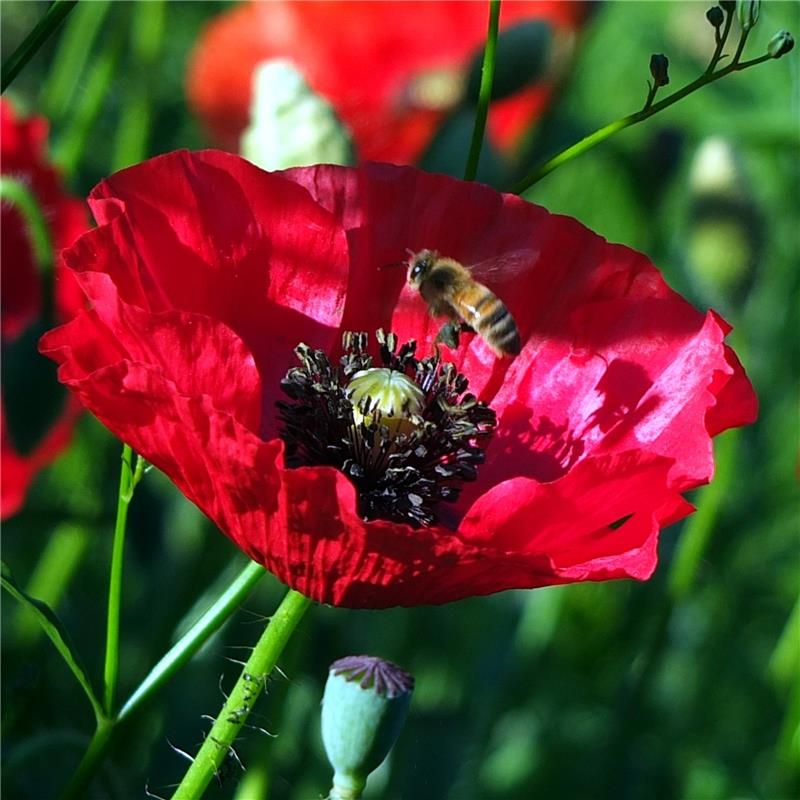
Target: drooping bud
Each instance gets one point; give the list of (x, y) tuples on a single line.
[(363, 711), (659, 66), (780, 44), (715, 16), (291, 125), (747, 11)]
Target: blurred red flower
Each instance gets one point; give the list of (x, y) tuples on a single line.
[(23, 157), (205, 272), (391, 70)]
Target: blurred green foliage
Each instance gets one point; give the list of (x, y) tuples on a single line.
[(683, 688)]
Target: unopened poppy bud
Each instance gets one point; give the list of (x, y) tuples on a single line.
[(387, 396), (715, 16), (747, 11), (291, 125), (780, 44), (659, 66), (363, 710)]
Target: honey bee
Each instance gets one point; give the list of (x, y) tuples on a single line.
[(450, 290)]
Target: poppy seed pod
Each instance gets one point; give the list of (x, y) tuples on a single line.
[(392, 394), (363, 711)]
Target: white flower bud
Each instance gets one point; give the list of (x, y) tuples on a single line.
[(290, 125)]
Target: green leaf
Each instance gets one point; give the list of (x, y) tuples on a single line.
[(55, 629)]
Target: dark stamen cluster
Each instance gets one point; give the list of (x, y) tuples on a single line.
[(400, 473)]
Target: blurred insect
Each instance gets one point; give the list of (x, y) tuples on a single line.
[(450, 290)]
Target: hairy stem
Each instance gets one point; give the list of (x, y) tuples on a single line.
[(219, 741)]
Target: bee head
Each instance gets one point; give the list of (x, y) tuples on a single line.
[(419, 266)]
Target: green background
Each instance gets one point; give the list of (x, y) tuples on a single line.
[(683, 687)]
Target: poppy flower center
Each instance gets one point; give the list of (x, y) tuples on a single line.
[(405, 431)]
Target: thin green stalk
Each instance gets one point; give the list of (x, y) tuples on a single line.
[(92, 758), (609, 130), (738, 54), (129, 477), (219, 741), (485, 92), (721, 39), (69, 62), (177, 656), (20, 195), (52, 18)]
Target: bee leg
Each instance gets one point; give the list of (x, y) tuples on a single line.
[(448, 334)]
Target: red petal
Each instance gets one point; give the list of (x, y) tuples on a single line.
[(197, 355), (226, 240)]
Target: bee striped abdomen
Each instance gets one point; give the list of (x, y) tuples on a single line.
[(490, 317)]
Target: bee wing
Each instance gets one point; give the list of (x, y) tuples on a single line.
[(504, 267)]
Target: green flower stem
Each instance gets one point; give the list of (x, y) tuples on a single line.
[(721, 39), (52, 18), (178, 655), (219, 741), (612, 128), (129, 477), (91, 760), (485, 92), (74, 47), (740, 48), (19, 194)]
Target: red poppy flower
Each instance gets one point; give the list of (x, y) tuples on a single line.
[(391, 70), (23, 156), (205, 272)]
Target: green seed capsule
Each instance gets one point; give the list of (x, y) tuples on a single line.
[(363, 710)]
